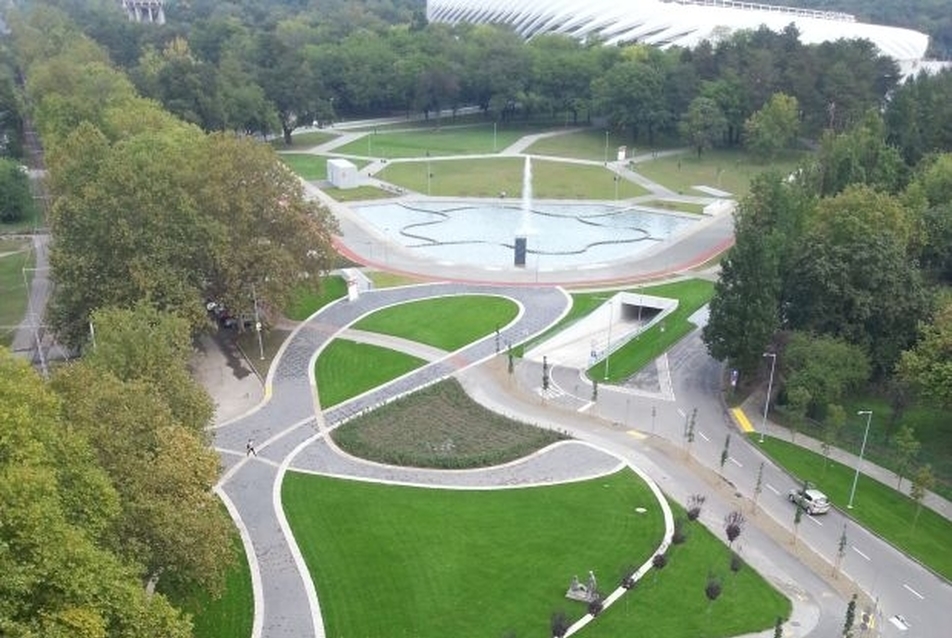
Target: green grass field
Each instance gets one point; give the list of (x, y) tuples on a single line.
[(440, 426), (311, 167), (587, 144), (302, 140), (490, 177), (13, 296), (305, 302), (345, 369), (878, 507), (357, 194), (398, 561), (747, 602), (472, 139), (727, 170), (448, 323)]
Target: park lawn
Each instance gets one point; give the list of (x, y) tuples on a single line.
[(472, 139), (878, 507), (747, 602), (345, 369), (305, 302), (311, 168), (360, 193), (587, 144), (382, 279), (448, 323), (667, 204), (429, 563), (495, 176), (13, 294), (302, 140), (439, 426), (231, 614), (726, 170), (658, 339)]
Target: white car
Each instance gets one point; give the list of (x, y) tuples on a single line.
[(812, 501)]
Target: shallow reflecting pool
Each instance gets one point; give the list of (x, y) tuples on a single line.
[(559, 235)]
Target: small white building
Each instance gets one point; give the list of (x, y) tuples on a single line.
[(341, 173)]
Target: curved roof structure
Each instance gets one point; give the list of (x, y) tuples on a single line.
[(667, 23)]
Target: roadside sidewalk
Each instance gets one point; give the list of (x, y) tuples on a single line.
[(931, 500), (227, 377)]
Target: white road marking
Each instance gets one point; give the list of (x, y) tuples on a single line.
[(860, 553), (914, 592), (701, 434), (735, 461), (586, 406), (815, 520), (681, 412), (772, 489)]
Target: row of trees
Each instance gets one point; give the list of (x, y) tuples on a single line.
[(146, 207), (105, 487)]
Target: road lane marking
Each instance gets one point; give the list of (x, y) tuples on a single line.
[(914, 592), (638, 435), (681, 412), (772, 489), (586, 406), (735, 461), (860, 553), (701, 434), (815, 520), (742, 421)]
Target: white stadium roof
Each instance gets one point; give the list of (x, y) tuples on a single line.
[(683, 23)]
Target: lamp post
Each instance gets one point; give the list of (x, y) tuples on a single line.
[(608, 348), (773, 363), (606, 146), (616, 187), (862, 449), (254, 296)]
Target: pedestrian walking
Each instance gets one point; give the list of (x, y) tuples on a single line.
[(250, 448)]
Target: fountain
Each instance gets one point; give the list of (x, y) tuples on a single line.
[(524, 229)]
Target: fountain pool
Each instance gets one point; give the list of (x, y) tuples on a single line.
[(560, 235)]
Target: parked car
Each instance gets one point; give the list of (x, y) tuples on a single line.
[(812, 501)]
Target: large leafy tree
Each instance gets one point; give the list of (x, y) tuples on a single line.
[(774, 127), (928, 365), (58, 507), (823, 369), (16, 199), (704, 124)]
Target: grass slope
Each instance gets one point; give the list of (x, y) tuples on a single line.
[(422, 563), (448, 323), (878, 507), (345, 369), (451, 140), (440, 427), (13, 296)]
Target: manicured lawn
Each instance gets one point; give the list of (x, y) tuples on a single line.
[(472, 139), (490, 177), (302, 140), (440, 426), (588, 144), (685, 207), (398, 561), (357, 194), (383, 279), (725, 170), (311, 167), (345, 369), (13, 297), (649, 345), (878, 507), (448, 323), (229, 616), (672, 604), (305, 302)]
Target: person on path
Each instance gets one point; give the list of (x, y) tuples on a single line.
[(250, 448)]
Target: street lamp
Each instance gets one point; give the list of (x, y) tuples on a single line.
[(608, 349), (606, 146), (862, 449), (773, 363)]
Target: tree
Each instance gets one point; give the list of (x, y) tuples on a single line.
[(821, 370), (850, 617), (631, 94), (798, 517), (695, 503), (774, 127), (725, 453), (58, 507), (840, 551), (832, 426), (759, 486), (16, 200), (704, 124), (733, 526), (922, 481), (928, 364), (907, 448)]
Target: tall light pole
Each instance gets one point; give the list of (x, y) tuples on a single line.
[(606, 146), (773, 363), (862, 449), (254, 296), (608, 349)]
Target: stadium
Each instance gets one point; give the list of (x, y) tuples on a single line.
[(683, 23)]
